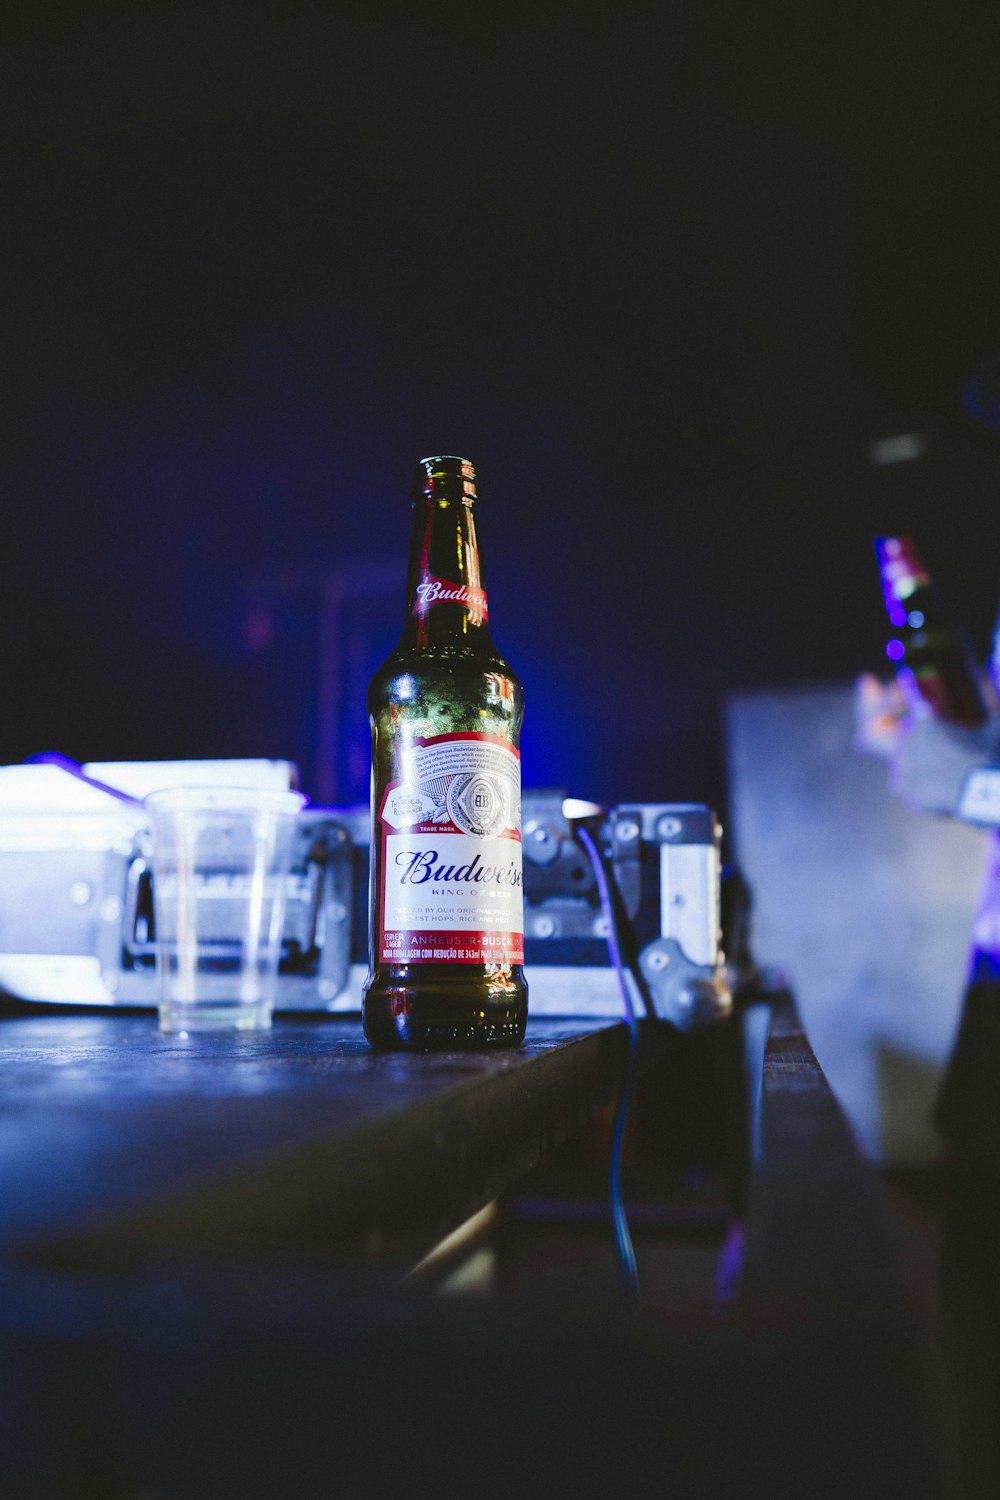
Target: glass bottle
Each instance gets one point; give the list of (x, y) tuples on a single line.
[(446, 924), (931, 655)]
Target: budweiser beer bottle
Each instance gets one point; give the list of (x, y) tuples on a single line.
[(446, 914), (931, 654)]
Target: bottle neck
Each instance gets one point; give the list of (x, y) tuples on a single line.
[(929, 651), (445, 592), (905, 581)]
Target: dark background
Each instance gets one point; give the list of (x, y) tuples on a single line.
[(662, 272)]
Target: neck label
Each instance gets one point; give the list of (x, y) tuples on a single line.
[(431, 591)]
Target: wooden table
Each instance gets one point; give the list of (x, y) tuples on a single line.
[(123, 1144), (201, 1250)]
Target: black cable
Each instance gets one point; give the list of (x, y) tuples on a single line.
[(623, 1239)]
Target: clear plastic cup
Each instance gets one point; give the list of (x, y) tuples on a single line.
[(221, 859)]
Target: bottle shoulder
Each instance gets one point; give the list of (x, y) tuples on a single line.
[(426, 694), (407, 665)]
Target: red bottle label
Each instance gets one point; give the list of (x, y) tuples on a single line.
[(431, 591), (451, 854)]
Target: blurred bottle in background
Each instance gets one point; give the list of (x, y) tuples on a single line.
[(994, 663), (932, 657)]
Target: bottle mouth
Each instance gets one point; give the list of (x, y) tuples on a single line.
[(445, 476), (447, 462)]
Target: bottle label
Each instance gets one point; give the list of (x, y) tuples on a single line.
[(451, 854), (431, 591)]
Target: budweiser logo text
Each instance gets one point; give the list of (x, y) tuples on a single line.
[(437, 591), (418, 866)]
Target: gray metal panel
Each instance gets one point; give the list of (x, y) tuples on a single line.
[(864, 902)]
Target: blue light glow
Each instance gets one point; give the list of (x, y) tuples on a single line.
[(894, 650), (915, 618), (897, 616)]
